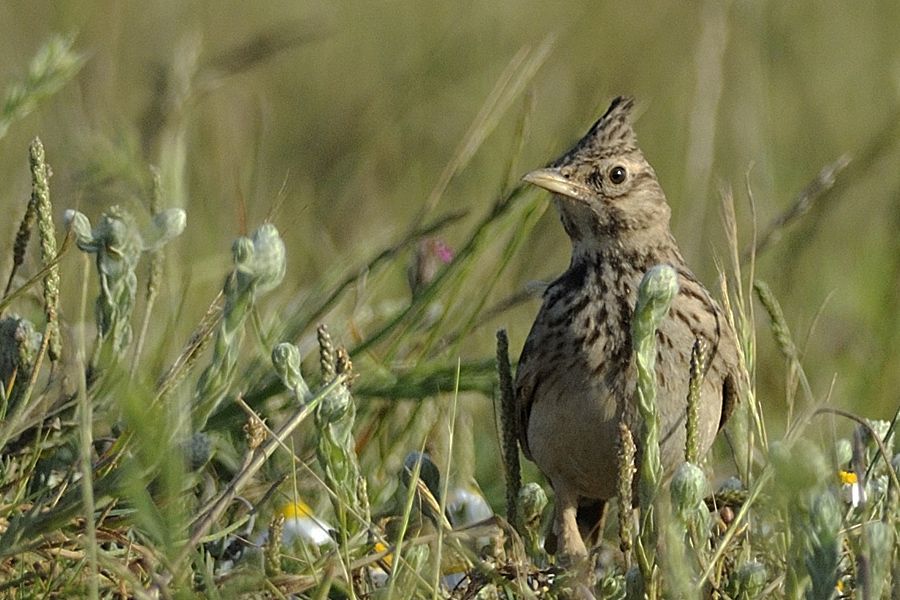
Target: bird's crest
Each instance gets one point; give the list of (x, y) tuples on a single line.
[(611, 135)]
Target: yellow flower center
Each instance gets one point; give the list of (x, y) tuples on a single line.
[(297, 509), (388, 558), (847, 477)]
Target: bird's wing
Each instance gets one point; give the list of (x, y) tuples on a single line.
[(723, 359), (527, 380)]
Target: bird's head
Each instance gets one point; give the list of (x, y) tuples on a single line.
[(604, 188)]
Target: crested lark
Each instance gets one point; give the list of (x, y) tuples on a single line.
[(576, 377)]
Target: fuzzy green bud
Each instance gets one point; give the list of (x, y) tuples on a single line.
[(532, 501), (262, 261), (611, 587), (688, 489), (19, 346), (335, 405), (657, 290), (79, 224), (166, 226), (286, 360), (121, 239), (530, 505)]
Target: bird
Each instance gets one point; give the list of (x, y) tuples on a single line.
[(576, 376)]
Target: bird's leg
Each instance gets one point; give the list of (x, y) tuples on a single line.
[(571, 548)]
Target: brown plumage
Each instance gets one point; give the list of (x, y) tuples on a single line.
[(576, 376)]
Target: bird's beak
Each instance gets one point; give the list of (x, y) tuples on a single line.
[(551, 179)]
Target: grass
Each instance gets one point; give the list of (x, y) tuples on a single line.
[(170, 420)]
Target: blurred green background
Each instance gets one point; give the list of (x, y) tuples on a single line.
[(345, 125)]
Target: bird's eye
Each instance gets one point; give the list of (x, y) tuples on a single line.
[(617, 174)]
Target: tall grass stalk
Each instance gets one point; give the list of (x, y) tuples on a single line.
[(508, 436), (445, 487), (40, 197), (411, 496), (695, 384), (625, 491), (655, 294)]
